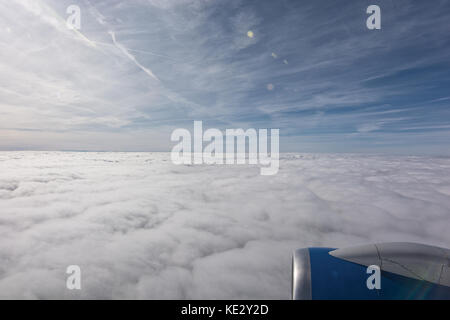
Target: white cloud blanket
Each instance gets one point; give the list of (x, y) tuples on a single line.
[(141, 227)]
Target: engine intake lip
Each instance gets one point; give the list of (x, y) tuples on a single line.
[(301, 275)]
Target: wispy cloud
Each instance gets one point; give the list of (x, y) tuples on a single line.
[(149, 66)]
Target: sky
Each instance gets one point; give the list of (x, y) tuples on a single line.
[(137, 70)]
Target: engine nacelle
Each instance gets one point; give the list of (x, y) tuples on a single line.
[(387, 271)]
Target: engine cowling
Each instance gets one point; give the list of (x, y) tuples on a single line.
[(396, 270)]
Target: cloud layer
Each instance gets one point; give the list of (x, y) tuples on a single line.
[(141, 227)]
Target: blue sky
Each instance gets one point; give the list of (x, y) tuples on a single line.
[(139, 69)]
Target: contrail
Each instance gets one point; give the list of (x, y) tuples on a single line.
[(61, 22), (131, 57), (101, 19), (137, 50)]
